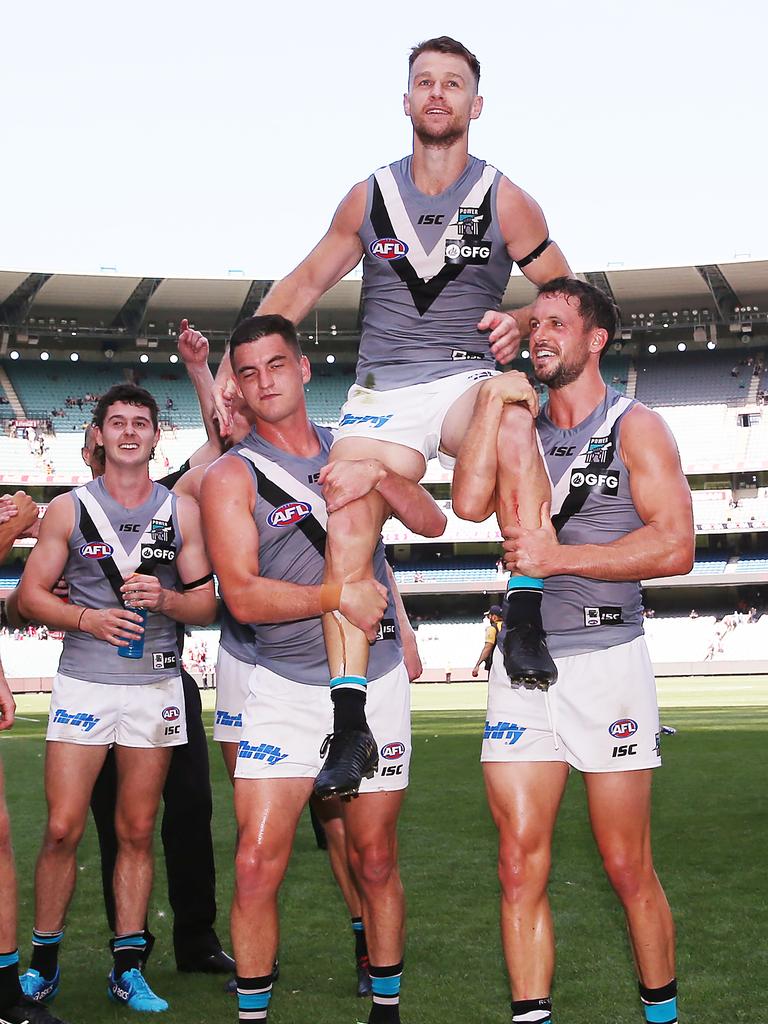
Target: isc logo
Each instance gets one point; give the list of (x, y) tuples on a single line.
[(158, 554), (625, 750), (96, 550), (388, 249), (431, 218), (623, 728), (393, 751), (392, 769), (287, 515), (171, 713)]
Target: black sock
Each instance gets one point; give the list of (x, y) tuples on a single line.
[(358, 930), (129, 951), (532, 1011), (660, 1004), (348, 709), (253, 996), (10, 990), (45, 952), (385, 989), (521, 606)]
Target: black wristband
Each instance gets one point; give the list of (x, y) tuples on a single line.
[(197, 583), (535, 254)]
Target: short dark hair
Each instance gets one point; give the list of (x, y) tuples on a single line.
[(130, 393), (444, 44), (596, 308), (256, 327)]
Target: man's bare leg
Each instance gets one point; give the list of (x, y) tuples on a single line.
[(330, 814), (620, 813), (267, 812), (371, 824), (353, 532), (10, 991), (70, 774), (524, 799)]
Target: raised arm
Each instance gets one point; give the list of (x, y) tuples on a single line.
[(337, 252), (663, 546), (194, 351), (227, 501), (195, 604)]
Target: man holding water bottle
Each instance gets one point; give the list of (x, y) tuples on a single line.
[(133, 556)]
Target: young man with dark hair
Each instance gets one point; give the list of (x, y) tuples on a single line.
[(130, 552), (620, 512), (265, 508), (438, 232)]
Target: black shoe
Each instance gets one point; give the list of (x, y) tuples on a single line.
[(526, 659), (363, 977), (26, 1011), (352, 756), (217, 962)]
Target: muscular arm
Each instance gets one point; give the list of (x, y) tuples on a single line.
[(194, 351), (337, 252), (411, 656), (44, 566), (663, 546), (346, 480)]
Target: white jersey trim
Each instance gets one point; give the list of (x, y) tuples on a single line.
[(125, 562), (289, 483)]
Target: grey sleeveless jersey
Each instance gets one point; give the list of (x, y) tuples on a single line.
[(107, 544), (591, 504), (432, 266), (236, 639), (291, 517)]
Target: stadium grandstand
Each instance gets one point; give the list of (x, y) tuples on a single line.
[(693, 344)]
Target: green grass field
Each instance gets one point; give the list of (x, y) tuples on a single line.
[(710, 838)]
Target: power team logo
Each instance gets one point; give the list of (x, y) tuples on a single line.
[(623, 728), (160, 530), (289, 514), (469, 222), (597, 483), (599, 451), (96, 550), (393, 751), (388, 249)]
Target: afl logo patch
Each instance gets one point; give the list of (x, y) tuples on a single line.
[(388, 249), (288, 515), (171, 714), (623, 728), (393, 751), (96, 550)]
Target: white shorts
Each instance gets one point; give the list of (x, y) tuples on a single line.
[(100, 714), (412, 416), (602, 716), (285, 723), (231, 692)]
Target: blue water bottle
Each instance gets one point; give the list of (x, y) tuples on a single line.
[(135, 648)]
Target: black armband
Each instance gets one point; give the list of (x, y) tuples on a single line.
[(197, 583), (535, 254)]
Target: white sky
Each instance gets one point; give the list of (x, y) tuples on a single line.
[(170, 138)]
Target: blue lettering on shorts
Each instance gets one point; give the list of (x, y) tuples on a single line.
[(262, 752), (225, 718), (375, 421), (80, 720), (507, 731)]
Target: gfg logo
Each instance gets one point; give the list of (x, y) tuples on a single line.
[(603, 483), (158, 554), (467, 252), (388, 249)]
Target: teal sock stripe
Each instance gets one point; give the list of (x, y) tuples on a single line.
[(357, 926), (348, 681), (130, 942), (661, 1013), (9, 959), (524, 583), (47, 940), (386, 986), (254, 1000)]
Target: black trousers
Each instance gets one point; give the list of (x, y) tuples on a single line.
[(186, 835)]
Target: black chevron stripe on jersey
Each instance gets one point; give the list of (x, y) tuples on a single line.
[(90, 531), (276, 496), (574, 502), (422, 292)]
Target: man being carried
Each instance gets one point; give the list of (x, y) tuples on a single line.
[(438, 232)]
